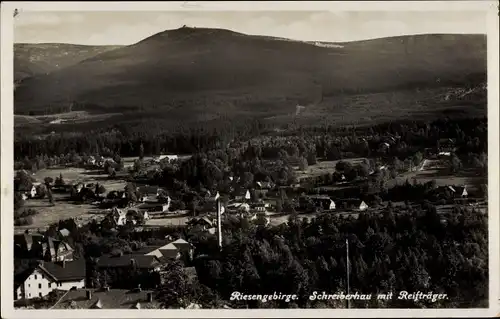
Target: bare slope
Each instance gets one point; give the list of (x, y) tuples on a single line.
[(188, 71), (41, 58)]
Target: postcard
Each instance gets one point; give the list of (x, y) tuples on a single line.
[(250, 159)]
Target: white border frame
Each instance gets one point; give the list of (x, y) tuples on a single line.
[(7, 8)]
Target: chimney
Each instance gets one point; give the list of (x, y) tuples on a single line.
[(89, 295), (150, 297), (132, 263), (106, 288), (139, 288), (64, 263)]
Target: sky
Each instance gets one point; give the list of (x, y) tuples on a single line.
[(129, 27)]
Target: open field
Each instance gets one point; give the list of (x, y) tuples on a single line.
[(73, 117), (75, 175), (322, 168), (42, 58), (64, 209), (443, 177)]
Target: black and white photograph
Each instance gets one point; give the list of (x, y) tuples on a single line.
[(270, 157)]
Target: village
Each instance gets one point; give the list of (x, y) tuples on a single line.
[(113, 195)]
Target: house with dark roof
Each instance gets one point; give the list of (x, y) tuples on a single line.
[(149, 190), (354, 204), (109, 299), (262, 188), (143, 262), (242, 195), (318, 201), (265, 185), (169, 251), (48, 276), (446, 145), (204, 222), (154, 207), (173, 250), (182, 245), (57, 250), (461, 192)]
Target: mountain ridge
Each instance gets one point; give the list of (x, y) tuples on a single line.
[(187, 71)]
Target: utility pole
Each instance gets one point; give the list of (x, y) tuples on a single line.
[(348, 270)]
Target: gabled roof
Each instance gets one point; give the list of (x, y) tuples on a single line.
[(148, 189), (461, 189), (21, 277), (72, 270), (361, 202), (169, 253), (112, 299), (145, 250), (64, 232), (180, 241), (201, 220), (263, 184), (141, 261)]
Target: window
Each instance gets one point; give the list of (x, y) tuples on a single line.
[(29, 285), (39, 286), (29, 295), (49, 284), (35, 276), (40, 294)]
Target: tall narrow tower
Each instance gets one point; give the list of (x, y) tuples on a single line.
[(219, 220)]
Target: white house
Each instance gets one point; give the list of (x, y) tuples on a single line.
[(462, 191), (324, 202), (459, 191), (119, 216), (79, 187), (91, 160), (49, 276), (32, 192), (362, 206)]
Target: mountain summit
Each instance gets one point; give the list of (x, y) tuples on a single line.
[(192, 70)]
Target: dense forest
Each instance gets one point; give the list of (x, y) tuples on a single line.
[(400, 250), (325, 142)]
